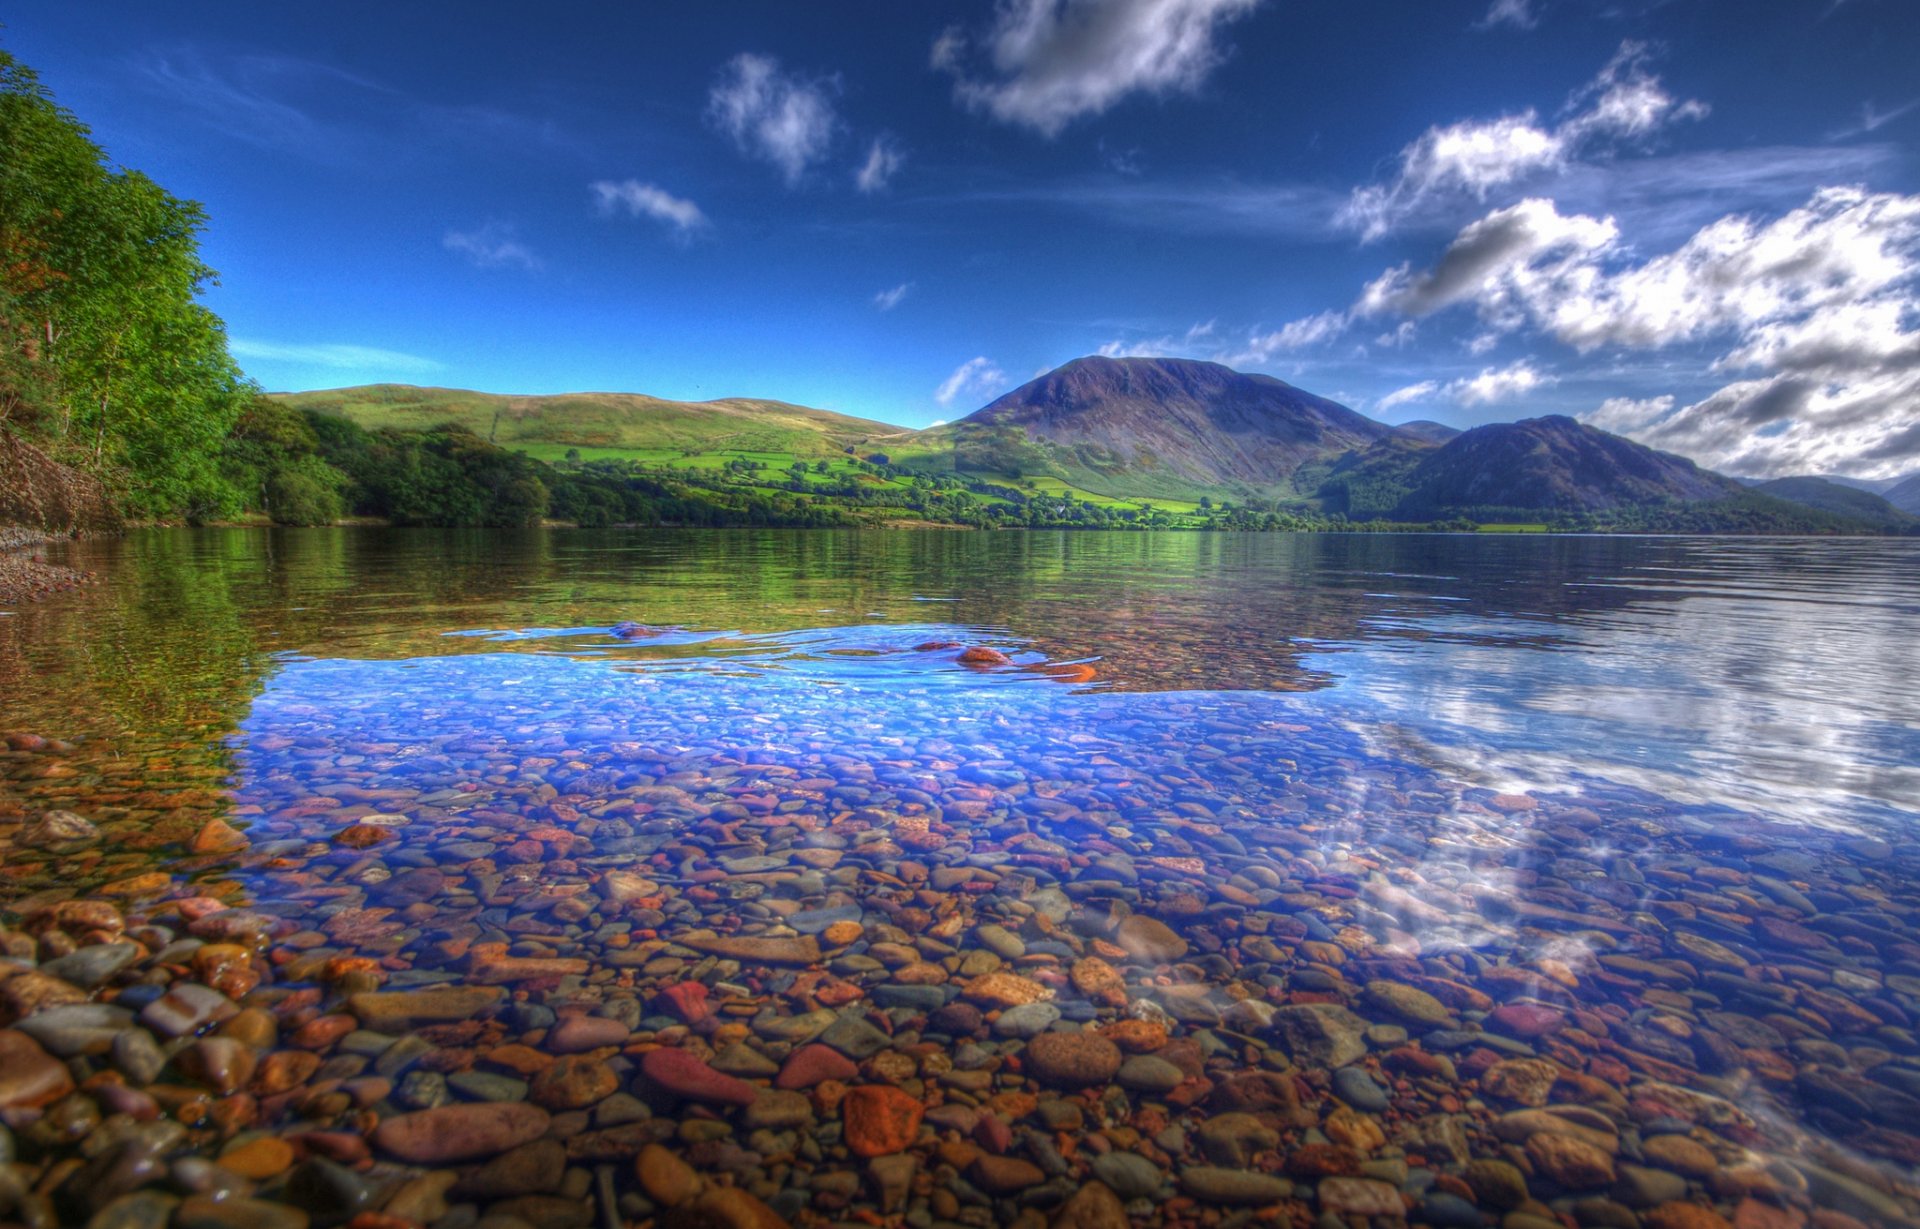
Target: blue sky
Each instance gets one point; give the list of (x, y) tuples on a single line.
[(1692, 222)]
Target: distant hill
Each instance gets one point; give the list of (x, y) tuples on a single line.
[(1905, 495), (1428, 430), (1554, 464), (1113, 423), (1831, 496), (547, 426)]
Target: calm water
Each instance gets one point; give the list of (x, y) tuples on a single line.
[(1771, 675), (1660, 790)]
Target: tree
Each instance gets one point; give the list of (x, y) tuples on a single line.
[(110, 355)]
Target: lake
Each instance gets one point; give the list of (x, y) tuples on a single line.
[(1437, 876)]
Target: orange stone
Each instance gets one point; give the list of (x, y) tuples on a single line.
[(842, 933), (1004, 990), (1100, 981), (879, 1119), (218, 836), (359, 836), (258, 1159), (1136, 1036)]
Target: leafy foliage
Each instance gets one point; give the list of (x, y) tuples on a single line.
[(107, 355)]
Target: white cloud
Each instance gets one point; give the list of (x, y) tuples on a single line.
[(1516, 13), (1050, 62), (1295, 335), (884, 160), (491, 246), (1412, 392), (1400, 335), (772, 114), (1486, 257), (891, 298), (333, 355), (1472, 158), (1492, 384), (977, 377), (645, 200), (1626, 415), (1814, 315), (1498, 384)]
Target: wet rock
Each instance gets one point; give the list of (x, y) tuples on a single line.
[(667, 1180), (1093, 1206), (578, 1034), (1003, 1175), (396, 1011), (1360, 1197), (1570, 1162), (1321, 1034), (460, 1132), (878, 1119), (1149, 940), (1231, 1139), (803, 950), (574, 1082), (1071, 1060), (1130, 1175), (203, 1212), (29, 1076), (535, 1168), (1528, 1081), (814, 1064), (1145, 1073), (1211, 1184), (681, 1074), (1358, 1089), (1410, 1004)]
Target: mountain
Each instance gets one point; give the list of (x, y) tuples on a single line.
[(1427, 430), (1905, 495), (629, 422), (1553, 464), (1830, 496), (1113, 423)]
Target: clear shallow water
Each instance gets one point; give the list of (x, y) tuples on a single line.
[(1659, 790)]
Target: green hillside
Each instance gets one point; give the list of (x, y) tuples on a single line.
[(609, 425)]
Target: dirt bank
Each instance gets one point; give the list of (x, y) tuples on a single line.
[(40, 500)]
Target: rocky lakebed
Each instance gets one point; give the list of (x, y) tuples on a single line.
[(524, 941)]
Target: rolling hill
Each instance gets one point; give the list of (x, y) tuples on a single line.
[(627, 423), (1830, 496), (1905, 495)]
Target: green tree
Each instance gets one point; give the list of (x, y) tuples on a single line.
[(110, 357)]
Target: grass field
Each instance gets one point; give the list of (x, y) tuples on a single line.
[(703, 438)]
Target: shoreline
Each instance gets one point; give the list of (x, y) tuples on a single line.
[(25, 577)]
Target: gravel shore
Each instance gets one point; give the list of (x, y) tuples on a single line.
[(24, 576)]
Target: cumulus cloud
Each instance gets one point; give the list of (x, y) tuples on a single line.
[(887, 300), (1490, 385), (491, 246), (1494, 384), (774, 115), (1470, 159), (1813, 318), (1486, 257), (978, 378), (1050, 62), (884, 160), (644, 200)]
